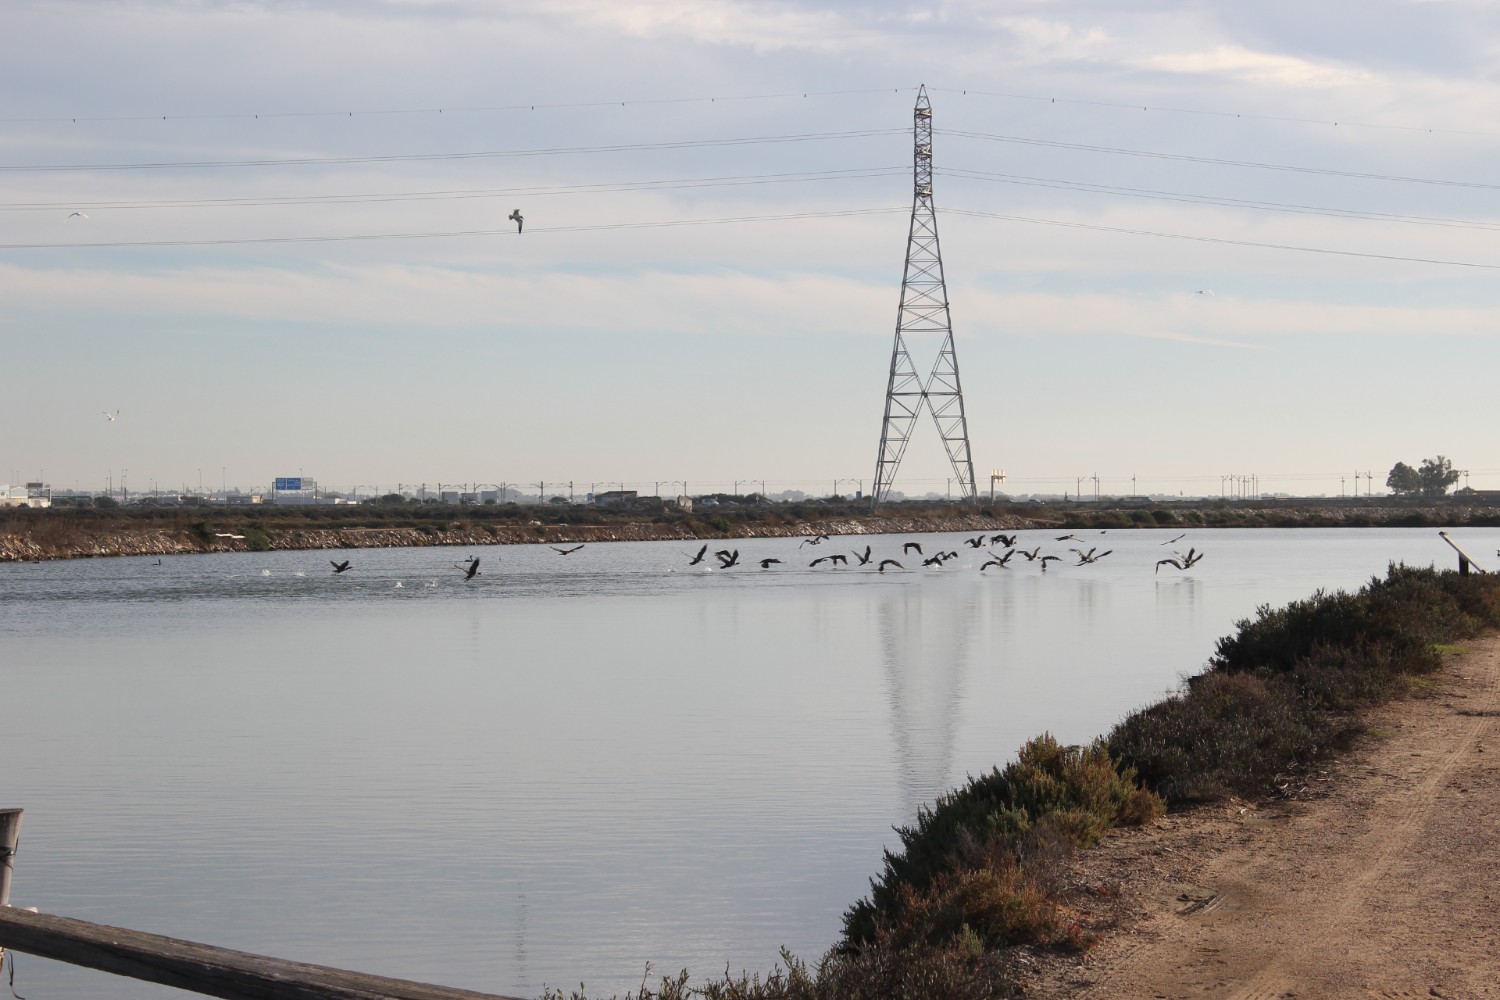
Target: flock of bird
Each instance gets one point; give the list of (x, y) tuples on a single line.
[(730, 558)]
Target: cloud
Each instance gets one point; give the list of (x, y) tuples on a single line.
[(1235, 62)]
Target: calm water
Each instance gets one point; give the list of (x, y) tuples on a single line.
[(570, 766)]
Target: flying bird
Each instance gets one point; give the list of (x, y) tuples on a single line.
[(768, 563), (1002, 561), (1205, 291), (1064, 538), (1047, 559), (906, 549), (889, 562), (515, 216), (76, 215), (975, 543), (1179, 538), (1032, 555), (728, 558), (936, 560), (815, 540), (1007, 540), (864, 560), (473, 569), (111, 416), (339, 567), (699, 557), (838, 560), (565, 552), (1088, 557), (820, 559)]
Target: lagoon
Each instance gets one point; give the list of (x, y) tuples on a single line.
[(573, 765)]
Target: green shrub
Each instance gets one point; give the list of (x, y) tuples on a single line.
[(256, 539)]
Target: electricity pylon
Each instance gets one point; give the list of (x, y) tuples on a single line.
[(924, 310)]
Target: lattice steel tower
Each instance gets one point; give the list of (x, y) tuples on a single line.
[(924, 310)]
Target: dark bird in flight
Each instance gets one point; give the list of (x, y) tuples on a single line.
[(864, 560), (77, 215), (515, 216), (1031, 556), (975, 543), (1064, 538), (699, 557), (1088, 557), (566, 552), (768, 563), (889, 562), (1001, 561), (820, 559), (815, 540), (339, 567), (727, 558), (948, 555), (936, 560), (1047, 559), (906, 549), (1181, 561), (473, 569), (1007, 540), (1179, 538), (839, 560)]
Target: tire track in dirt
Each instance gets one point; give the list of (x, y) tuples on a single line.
[(1379, 889)]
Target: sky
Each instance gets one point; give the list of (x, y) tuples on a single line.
[(1182, 242)]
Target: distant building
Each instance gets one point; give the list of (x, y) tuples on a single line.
[(615, 498)]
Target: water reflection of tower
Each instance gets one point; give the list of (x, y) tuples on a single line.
[(924, 640)]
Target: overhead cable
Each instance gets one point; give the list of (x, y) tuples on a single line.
[(1217, 239), (480, 155), (1183, 157), (535, 230)]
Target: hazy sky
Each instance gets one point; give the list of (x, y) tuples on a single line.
[(639, 331)]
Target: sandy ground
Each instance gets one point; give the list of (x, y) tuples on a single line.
[(1377, 878)]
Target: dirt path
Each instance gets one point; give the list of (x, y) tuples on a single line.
[(1379, 879)]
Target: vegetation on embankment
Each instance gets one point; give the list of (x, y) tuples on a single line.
[(84, 532), (70, 533), (985, 869)]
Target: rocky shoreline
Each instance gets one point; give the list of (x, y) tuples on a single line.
[(46, 538)]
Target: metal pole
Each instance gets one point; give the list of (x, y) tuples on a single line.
[(10, 836)]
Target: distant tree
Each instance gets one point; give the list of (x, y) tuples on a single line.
[(393, 498), (1437, 474), (1404, 480), (106, 502)]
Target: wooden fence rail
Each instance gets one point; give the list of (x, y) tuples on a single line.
[(187, 965), (202, 968)]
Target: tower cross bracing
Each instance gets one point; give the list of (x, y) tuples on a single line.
[(923, 312)]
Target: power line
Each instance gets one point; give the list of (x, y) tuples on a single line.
[(1194, 199), (261, 240), (553, 106), (603, 187), (731, 99), (1217, 239), (1217, 114), (1183, 157), (484, 154)]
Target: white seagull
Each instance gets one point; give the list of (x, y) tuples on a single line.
[(111, 416)]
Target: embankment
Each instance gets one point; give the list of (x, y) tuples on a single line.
[(40, 539)]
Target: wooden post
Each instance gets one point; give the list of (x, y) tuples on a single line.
[(10, 836), (1464, 562)]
